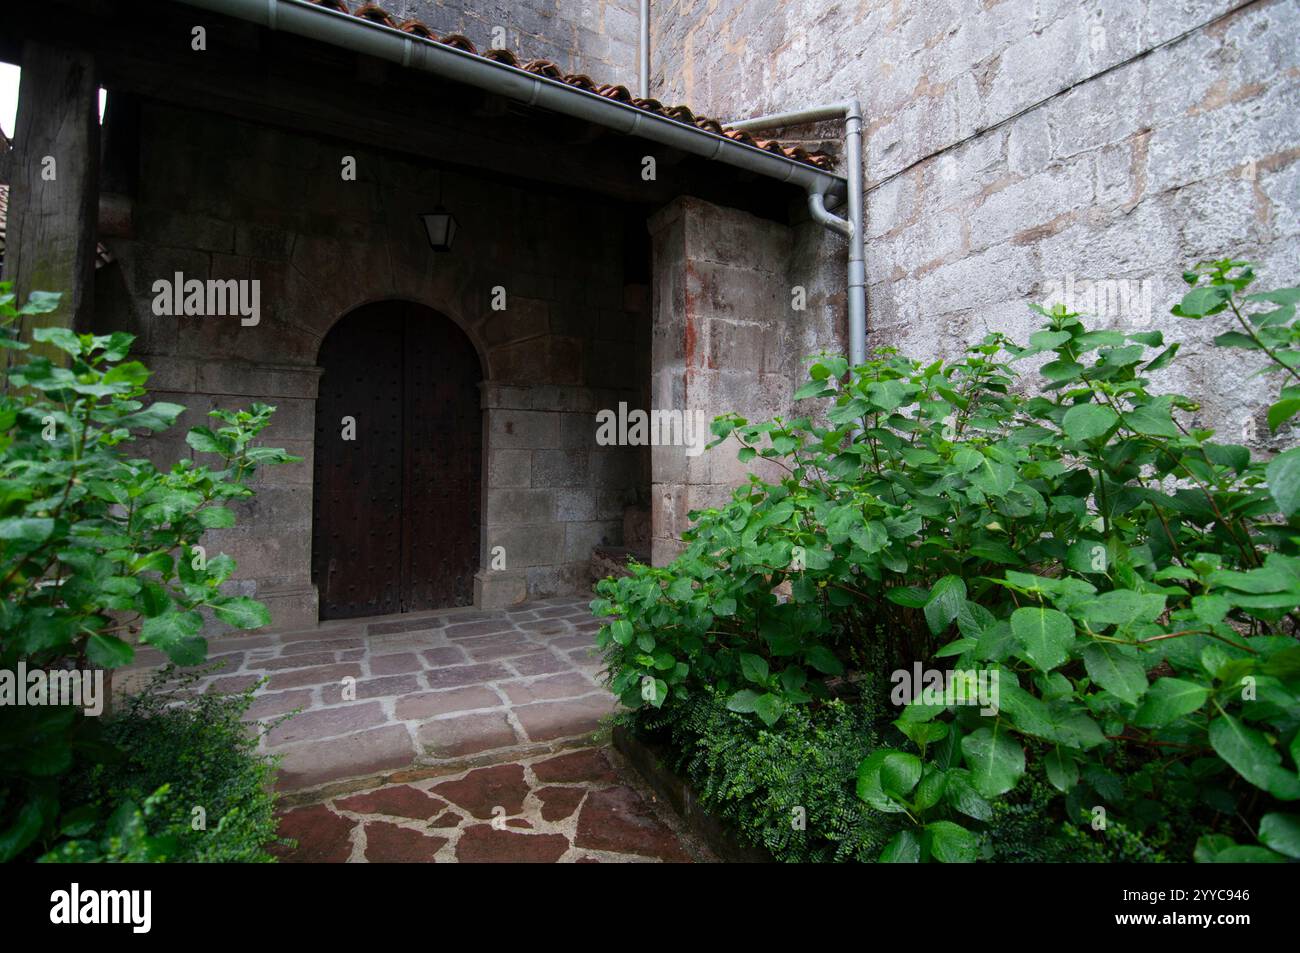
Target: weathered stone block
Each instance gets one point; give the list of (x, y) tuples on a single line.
[(510, 429), (510, 468), (559, 468)]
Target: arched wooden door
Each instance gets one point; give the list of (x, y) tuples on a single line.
[(395, 513)]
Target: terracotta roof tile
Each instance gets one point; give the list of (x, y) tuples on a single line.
[(460, 42), (503, 56), (581, 80), (618, 93), (416, 28), (544, 68), (375, 13)]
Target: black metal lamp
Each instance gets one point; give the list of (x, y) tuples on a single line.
[(440, 225)]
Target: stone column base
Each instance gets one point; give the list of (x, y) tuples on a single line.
[(291, 607), (498, 589)]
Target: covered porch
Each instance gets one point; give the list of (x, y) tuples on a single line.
[(610, 252)]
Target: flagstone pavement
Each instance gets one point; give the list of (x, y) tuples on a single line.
[(456, 735)]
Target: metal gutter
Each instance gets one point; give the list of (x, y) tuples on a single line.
[(374, 39), (852, 227)]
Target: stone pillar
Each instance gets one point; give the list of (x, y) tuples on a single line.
[(271, 540), (54, 171), (724, 329), (519, 531)]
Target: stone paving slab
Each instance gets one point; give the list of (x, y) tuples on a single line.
[(585, 806), (429, 691)]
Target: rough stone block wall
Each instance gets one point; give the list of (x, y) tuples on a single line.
[(220, 198), (554, 493), (727, 337), (596, 37), (1021, 144)]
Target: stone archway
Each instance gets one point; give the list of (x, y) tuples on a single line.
[(397, 485)]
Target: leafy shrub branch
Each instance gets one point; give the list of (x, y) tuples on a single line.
[(98, 548), (1132, 581)]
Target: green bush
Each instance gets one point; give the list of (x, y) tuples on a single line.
[(789, 790), (98, 549), (194, 764), (1132, 583)]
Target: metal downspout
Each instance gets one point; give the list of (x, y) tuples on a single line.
[(644, 59), (852, 227)]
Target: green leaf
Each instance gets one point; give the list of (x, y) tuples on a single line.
[(992, 479), (243, 613), (108, 651), (23, 529), (922, 733), (62, 338), (204, 440), (824, 660), (26, 827), (176, 633), (743, 701), (1208, 846), (1167, 700), (157, 416), (964, 798), (951, 843), (947, 596), (899, 773), (1151, 420), (1109, 667), (754, 668), (41, 302), (1249, 854), (1088, 421), (996, 761), (153, 599), (1062, 770), (814, 388), (1045, 635), (905, 848), (1283, 411), (1283, 474), (1251, 756), (1236, 339), (769, 708), (869, 787), (216, 517), (1202, 300), (654, 690), (1122, 607), (930, 790), (1281, 832), (681, 589), (622, 632), (871, 536)]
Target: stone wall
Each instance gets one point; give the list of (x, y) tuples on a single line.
[(596, 37), (1021, 144), (224, 199), (728, 336)]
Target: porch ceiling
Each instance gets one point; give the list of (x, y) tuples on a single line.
[(142, 47)]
